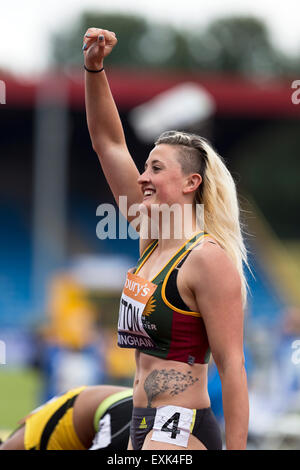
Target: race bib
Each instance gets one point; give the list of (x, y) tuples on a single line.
[(136, 293), (103, 437), (173, 425)]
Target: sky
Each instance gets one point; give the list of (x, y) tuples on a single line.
[(26, 25)]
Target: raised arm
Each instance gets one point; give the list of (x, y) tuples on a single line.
[(103, 120), (217, 289)]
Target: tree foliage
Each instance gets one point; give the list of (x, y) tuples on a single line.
[(235, 45), (239, 44)]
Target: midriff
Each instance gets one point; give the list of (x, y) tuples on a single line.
[(160, 382)]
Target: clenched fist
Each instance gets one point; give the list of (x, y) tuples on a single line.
[(97, 44)]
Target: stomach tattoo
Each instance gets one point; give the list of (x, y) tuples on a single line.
[(167, 380)]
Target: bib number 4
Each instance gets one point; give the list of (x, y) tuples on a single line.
[(171, 425)]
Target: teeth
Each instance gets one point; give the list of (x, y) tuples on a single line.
[(148, 192)]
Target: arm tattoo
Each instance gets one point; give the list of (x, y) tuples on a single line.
[(164, 380)]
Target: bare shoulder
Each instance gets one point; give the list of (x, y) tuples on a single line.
[(15, 441), (210, 268)]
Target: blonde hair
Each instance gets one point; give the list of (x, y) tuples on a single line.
[(217, 193)]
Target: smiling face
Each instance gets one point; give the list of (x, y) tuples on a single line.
[(169, 192), (162, 181)]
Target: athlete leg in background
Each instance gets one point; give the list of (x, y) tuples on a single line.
[(15, 441)]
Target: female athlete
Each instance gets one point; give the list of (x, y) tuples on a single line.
[(88, 417), (184, 300)]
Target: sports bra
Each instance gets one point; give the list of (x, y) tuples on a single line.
[(166, 328)]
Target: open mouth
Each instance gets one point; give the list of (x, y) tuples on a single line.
[(148, 193)]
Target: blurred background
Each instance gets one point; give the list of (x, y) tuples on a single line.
[(225, 71)]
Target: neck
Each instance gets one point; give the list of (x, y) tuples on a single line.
[(173, 228)]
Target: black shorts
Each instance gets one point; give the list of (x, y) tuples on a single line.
[(112, 422), (205, 427)]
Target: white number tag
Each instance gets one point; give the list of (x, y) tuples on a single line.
[(173, 425), (103, 436)]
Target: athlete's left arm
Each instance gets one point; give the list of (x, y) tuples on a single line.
[(216, 287)]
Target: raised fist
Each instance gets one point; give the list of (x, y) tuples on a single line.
[(97, 44)]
